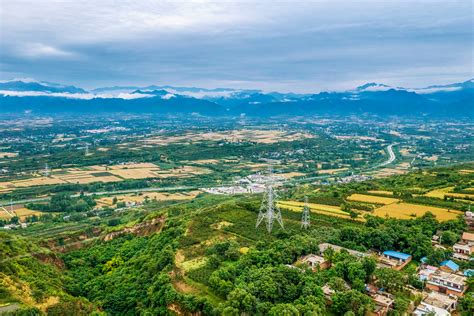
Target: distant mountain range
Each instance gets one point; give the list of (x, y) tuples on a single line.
[(20, 96)]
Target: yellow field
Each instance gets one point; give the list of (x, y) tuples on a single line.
[(315, 208), (440, 193), (258, 136), (21, 212), (288, 175), (113, 173), (8, 155), (159, 196), (332, 171), (380, 192), (372, 199), (407, 210)]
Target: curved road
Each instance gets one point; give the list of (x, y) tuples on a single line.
[(391, 157)]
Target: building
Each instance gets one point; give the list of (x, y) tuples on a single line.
[(383, 303), (394, 260), (437, 303), (463, 249), (449, 266), (447, 283), (426, 271), (324, 246), (315, 262)]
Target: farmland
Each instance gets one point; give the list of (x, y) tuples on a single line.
[(315, 208), (372, 199), (113, 173), (407, 211), (19, 211), (151, 196)]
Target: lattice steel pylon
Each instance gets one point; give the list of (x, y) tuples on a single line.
[(269, 210), (305, 217)]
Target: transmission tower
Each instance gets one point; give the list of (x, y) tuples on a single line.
[(46, 170), (87, 150), (305, 217), (269, 210)]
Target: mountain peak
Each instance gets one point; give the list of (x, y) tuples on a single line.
[(373, 86)]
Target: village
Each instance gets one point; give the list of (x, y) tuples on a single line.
[(443, 285)]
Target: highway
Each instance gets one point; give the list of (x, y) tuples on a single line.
[(391, 157)]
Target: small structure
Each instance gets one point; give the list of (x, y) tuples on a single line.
[(437, 303), (383, 303), (324, 246), (449, 266), (315, 262), (425, 272), (394, 259), (463, 249), (447, 283)]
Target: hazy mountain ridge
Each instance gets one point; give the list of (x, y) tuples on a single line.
[(446, 100)]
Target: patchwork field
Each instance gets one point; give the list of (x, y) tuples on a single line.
[(380, 192), (159, 196), (372, 199), (258, 136), (441, 193), (407, 211), (8, 155), (103, 174), (17, 210), (332, 171), (315, 208)]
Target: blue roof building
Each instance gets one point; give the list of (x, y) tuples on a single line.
[(397, 255), (449, 264), (469, 272)]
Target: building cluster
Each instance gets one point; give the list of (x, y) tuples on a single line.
[(252, 184), (443, 284)]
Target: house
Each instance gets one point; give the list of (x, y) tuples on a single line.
[(315, 262), (449, 266), (383, 303), (425, 272), (324, 246), (463, 249), (394, 260), (437, 303), (328, 292), (447, 283)]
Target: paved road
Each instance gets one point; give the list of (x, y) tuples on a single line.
[(391, 157)]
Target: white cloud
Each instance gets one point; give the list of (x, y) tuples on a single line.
[(40, 50), (82, 96)]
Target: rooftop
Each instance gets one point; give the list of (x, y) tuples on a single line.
[(324, 246), (450, 277), (440, 300), (396, 254), (313, 259), (468, 236), (450, 264)]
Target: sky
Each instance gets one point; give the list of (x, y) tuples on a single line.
[(299, 46)]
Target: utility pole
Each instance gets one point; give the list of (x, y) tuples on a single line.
[(305, 217), (269, 210)]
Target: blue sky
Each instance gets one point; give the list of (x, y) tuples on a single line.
[(301, 46)]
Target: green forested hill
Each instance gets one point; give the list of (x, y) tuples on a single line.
[(208, 257)]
